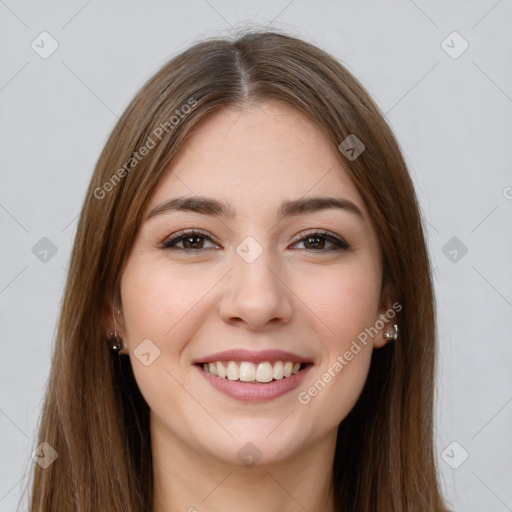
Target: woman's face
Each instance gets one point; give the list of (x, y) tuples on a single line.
[(271, 269)]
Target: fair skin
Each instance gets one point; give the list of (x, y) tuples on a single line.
[(297, 295)]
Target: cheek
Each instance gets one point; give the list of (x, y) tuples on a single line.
[(344, 303), (156, 300), (337, 385), (162, 305)]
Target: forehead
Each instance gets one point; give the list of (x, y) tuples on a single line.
[(257, 155)]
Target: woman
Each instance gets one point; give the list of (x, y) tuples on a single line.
[(248, 319)]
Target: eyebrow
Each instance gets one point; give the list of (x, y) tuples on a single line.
[(209, 206)]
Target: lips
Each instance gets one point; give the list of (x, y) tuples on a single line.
[(255, 392), (254, 376), (239, 355)]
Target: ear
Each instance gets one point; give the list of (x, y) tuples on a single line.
[(113, 319), (386, 317)]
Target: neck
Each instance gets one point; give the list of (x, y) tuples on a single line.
[(189, 481)]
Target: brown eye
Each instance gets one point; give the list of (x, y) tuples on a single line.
[(194, 241), (317, 241), (190, 240)]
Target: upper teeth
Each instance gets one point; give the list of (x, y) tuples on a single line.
[(250, 372)]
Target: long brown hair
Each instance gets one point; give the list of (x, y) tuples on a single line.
[(94, 415)]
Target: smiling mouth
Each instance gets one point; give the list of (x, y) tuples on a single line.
[(258, 373)]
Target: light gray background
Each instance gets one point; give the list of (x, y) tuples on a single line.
[(452, 117)]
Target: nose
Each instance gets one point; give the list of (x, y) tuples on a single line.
[(255, 296)]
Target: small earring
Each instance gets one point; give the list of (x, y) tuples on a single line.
[(115, 342), (394, 335)]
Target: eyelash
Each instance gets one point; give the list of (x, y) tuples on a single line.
[(339, 244)]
